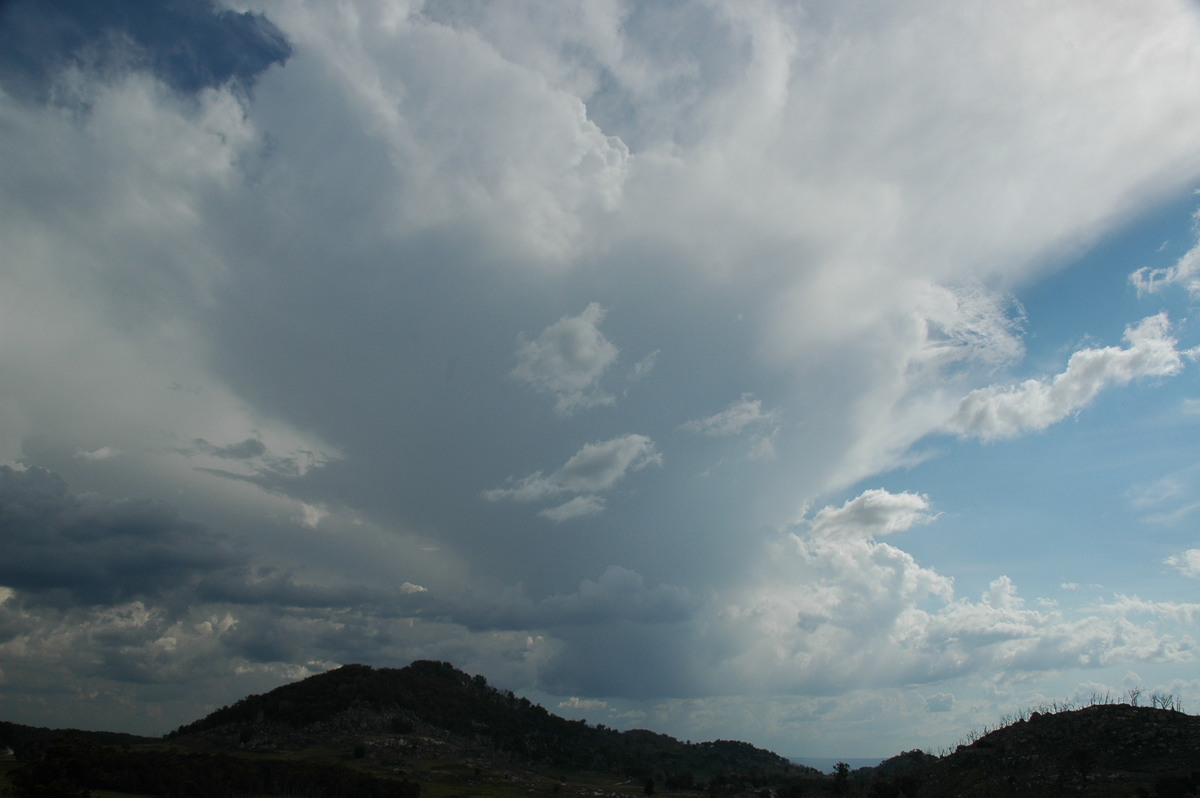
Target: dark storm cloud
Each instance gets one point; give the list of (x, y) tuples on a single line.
[(59, 545), (94, 551), (189, 44)]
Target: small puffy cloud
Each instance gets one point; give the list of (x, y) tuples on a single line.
[(567, 361), (1187, 563), (595, 468), (872, 514), (1000, 412)]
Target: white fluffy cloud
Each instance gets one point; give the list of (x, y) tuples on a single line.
[(1004, 412), (833, 608), (872, 514)]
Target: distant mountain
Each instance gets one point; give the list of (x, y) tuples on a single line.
[(434, 700)]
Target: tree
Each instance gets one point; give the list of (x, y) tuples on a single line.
[(841, 777)]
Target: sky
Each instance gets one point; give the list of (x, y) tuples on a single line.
[(815, 374)]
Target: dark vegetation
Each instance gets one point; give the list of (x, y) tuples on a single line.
[(432, 731)]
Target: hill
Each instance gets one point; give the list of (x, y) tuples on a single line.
[(1100, 750), (431, 731), (434, 704)]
